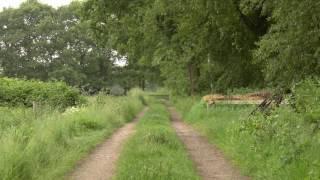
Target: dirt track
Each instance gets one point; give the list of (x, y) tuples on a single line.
[(101, 163), (209, 161)]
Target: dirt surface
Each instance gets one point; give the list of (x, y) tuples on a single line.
[(209, 161), (101, 163)]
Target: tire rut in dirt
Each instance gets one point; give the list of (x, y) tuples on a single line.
[(101, 163), (209, 161)]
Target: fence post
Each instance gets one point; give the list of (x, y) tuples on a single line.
[(34, 108)]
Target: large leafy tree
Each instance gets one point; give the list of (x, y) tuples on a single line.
[(290, 51), (204, 45), (118, 25), (197, 45), (40, 42), (23, 40)]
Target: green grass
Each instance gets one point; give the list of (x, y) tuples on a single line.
[(49, 144), (155, 151), (217, 123), (282, 146)]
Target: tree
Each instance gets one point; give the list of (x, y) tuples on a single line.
[(39, 42), (290, 50), (22, 41), (180, 38)]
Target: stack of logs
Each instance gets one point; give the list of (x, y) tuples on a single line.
[(251, 98), (265, 100)]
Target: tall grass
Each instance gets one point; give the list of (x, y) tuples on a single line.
[(48, 145), (155, 151), (280, 146)]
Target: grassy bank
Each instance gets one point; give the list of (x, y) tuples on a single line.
[(48, 145), (281, 146), (155, 152)]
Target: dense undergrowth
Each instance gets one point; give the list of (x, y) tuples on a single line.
[(155, 151), (47, 145), (283, 145)]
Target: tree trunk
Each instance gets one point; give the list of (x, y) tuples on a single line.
[(191, 79), (142, 83)]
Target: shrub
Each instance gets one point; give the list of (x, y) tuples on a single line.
[(136, 92), (117, 90), (307, 99), (289, 136), (16, 92)]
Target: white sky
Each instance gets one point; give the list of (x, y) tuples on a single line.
[(16, 3)]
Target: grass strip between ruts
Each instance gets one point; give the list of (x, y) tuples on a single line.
[(155, 152)]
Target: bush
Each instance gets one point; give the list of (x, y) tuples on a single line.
[(136, 92), (288, 137), (307, 99), (15, 92), (117, 90)]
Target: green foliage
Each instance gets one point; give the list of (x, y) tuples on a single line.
[(205, 46), (137, 92), (40, 42), (287, 141), (289, 135), (117, 90), (155, 151), (15, 92), (307, 99), (185, 103), (49, 146), (196, 45), (289, 51)]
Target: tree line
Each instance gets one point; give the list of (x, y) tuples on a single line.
[(204, 45), (38, 41), (191, 46)]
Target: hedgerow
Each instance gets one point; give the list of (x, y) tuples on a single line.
[(17, 92)]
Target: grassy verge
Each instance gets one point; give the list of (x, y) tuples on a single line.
[(281, 146), (155, 151), (48, 145)]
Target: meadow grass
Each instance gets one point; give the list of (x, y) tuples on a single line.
[(49, 144), (155, 151), (281, 146)]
